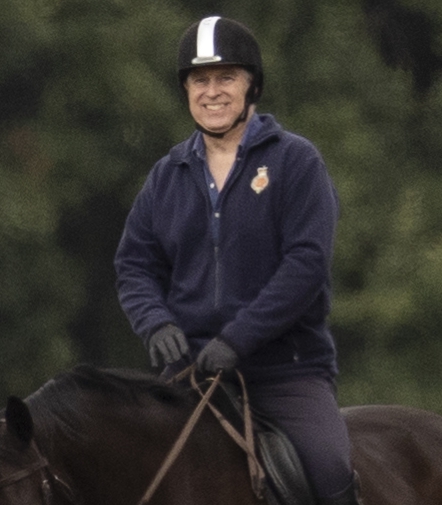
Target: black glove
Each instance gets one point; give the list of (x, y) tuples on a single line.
[(168, 343), (217, 355)]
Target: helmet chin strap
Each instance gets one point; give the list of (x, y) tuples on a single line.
[(219, 135)]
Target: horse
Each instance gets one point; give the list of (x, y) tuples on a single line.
[(93, 436)]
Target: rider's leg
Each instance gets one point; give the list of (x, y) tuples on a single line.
[(305, 408)]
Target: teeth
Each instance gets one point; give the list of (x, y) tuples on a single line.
[(214, 107)]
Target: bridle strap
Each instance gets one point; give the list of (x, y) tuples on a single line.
[(22, 474), (182, 375), (41, 465), (181, 440)]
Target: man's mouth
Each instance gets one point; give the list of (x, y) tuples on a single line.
[(214, 107)]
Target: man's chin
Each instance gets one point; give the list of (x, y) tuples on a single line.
[(216, 128)]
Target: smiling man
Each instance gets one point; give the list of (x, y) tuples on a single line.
[(226, 253), (217, 98), (217, 102)]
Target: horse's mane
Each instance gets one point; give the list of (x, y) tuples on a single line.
[(63, 401)]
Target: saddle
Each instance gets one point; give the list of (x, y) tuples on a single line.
[(286, 482)]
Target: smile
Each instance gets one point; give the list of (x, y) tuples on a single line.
[(214, 107)]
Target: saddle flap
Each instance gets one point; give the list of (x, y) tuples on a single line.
[(283, 469), (286, 480)]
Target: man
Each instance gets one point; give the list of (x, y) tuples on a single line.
[(225, 256)]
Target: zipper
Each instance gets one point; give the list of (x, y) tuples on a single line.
[(232, 177), (217, 277)]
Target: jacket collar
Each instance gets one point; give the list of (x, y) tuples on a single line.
[(268, 130)]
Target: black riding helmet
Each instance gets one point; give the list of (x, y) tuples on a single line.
[(222, 41)]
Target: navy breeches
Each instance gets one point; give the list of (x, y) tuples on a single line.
[(305, 408)]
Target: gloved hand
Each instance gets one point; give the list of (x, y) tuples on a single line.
[(168, 343), (217, 355)]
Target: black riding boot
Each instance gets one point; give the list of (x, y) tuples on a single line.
[(350, 496)]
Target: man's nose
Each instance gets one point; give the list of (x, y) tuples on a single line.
[(213, 88)]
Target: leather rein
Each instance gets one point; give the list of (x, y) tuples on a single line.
[(246, 442)]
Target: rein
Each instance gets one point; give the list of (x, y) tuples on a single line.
[(246, 443), (181, 440)]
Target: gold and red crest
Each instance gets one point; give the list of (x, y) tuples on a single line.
[(260, 181)]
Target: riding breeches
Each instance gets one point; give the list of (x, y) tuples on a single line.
[(305, 408)]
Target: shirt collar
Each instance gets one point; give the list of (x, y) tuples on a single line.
[(252, 128)]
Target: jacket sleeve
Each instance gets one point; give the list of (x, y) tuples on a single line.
[(308, 215), (142, 271)]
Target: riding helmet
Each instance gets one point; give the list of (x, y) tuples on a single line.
[(221, 41)]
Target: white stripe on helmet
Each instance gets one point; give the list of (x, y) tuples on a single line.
[(205, 44)]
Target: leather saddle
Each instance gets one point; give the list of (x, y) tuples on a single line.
[(286, 482)]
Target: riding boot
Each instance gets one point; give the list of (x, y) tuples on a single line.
[(350, 496)]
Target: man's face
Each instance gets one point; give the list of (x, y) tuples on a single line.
[(217, 95)]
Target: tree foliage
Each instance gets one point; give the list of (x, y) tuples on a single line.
[(89, 101)]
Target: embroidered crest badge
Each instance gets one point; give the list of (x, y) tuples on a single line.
[(260, 181)]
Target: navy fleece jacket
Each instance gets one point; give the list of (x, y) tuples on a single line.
[(263, 281)]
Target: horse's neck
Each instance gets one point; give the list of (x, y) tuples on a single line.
[(92, 460), (120, 450), (55, 447)]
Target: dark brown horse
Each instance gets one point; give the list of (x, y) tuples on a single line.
[(94, 437)]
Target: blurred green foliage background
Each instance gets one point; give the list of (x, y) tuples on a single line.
[(89, 101)]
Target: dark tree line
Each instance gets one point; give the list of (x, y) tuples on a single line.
[(89, 101)]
